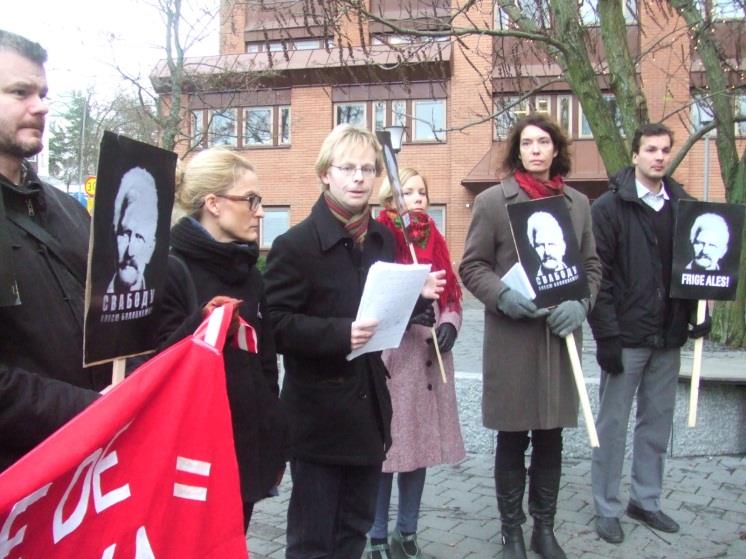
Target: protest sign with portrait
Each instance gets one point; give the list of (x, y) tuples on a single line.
[(706, 250), (129, 248), (548, 250)]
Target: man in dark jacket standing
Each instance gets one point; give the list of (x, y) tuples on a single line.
[(339, 410), (639, 330), (44, 242)]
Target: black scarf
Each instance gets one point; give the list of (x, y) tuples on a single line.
[(231, 262)]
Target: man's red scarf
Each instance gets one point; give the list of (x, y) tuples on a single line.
[(430, 248), (536, 188), (355, 224)]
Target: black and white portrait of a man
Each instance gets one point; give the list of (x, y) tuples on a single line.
[(546, 237), (709, 238), (135, 224)]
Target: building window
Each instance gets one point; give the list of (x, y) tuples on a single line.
[(438, 213), (284, 138), (197, 124), (741, 112), (257, 126), (701, 114), (223, 128), (541, 105), (429, 120), (379, 115), (350, 113), (722, 9), (564, 114), (584, 127), (276, 221), (508, 111), (589, 11)]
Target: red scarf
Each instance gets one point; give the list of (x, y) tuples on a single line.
[(429, 247), (355, 224), (536, 188)]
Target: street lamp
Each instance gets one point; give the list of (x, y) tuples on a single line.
[(397, 136)]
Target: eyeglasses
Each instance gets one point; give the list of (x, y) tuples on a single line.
[(368, 171), (254, 200)]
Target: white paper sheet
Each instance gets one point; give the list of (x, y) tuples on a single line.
[(517, 279), (389, 295)]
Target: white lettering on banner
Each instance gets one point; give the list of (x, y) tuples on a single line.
[(6, 542), (192, 466), (705, 280), (61, 527), (95, 465), (143, 549)]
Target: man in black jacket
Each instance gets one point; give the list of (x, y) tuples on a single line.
[(44, 241), (339, 410), (639, 330)]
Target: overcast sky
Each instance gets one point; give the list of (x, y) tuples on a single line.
[(86, 39)]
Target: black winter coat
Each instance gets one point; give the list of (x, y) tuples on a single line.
[(216, 268), (632, 298), (340, 411), (42, 380)]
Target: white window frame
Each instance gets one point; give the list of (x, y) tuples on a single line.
[(270, 138), (362, 104), (230, 140), (281, 141), (698, 110), (426, 130), (740, 110), (264, 243), (581, 120), (378, 107), (567, 127), (440, 211), (197, 127)]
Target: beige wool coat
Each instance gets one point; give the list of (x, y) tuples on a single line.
[(527, 379)]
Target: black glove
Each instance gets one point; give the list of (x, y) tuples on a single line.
[(424, 318), (516, 306), (701, 330), (609, 355), (446, 336)]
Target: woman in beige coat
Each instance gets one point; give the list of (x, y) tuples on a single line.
[(527, 380)]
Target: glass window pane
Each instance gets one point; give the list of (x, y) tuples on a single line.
[(284, 125), (352, 113), (701, 113), (564, 107), (276, 221), (505, 116), (222, 131), (430, 119), (197, 129), (257, 126), (438, 213), (379, 121), (585, 128)]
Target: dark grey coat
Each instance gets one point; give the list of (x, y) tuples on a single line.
[(527, 379)]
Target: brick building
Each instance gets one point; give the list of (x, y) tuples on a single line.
[(282, 82)]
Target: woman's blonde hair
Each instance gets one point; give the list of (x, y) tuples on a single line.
[(212, 171), (344, 137), (386, 196)]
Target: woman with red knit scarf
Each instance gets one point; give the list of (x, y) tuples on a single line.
[(425, 426), (528, 392)]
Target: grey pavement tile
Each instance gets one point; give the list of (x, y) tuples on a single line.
[(447, 538)]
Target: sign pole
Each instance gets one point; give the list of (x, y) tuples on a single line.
[(696, 367), (585, 405)]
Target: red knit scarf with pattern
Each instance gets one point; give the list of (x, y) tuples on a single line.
[(355, 224), (429, 247), (536, 188)]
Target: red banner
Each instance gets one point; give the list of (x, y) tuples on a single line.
[(147, 471)]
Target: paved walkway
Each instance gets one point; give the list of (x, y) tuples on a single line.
[(706, 495), (459, 514)]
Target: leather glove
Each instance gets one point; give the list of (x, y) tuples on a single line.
[(516, 306), (446, 336), (701, 330), (425, 318), (609, 355), (566, 318), (219, 301)]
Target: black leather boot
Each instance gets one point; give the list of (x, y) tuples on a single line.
[(510, 488), (542, 506)]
